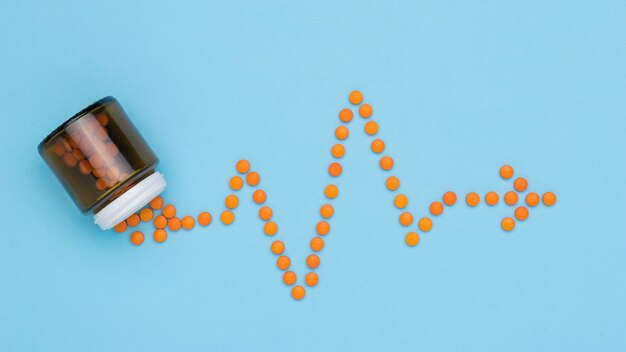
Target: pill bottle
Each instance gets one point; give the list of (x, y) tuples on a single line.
[(103, 162)]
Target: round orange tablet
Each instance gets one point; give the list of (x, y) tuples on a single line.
[(449, 198), (231, 201), (265, 213), (317, 244), (283, 262), (322, 228), (520, 184), (227, 217), (327, 211), (436, 208), (425, 224), (412, 239), (355, 97), (472, 199), (160, 222), (298, 293), (146, 214), (491, 198), (136, 238), (253, 179), (270, 228), (331, 191), (278, 247), (406, 219), (521, 213), (334, 169), (386, 163), (510, 198), (289, 278), (133, 220), (159, 235), (188, 222), (342, 132), (313, 261), (121, 227), (174, 224), (156, 203), (392, 183), (506, 172), (243, 166), (508, 224), (311, 279), (549, 199), (236, 183), (338, 151), (345, 115), (205, 218), (366, 110), (378, 146), (169, 211), (259, 196), (401, 201), (532, 199), (371, 128)]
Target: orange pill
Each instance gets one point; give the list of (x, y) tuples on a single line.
[(243, 166), (265, 213), (227, 217), (401, 201), (311, 279), (520, 184), (412, 239), (371, 128), (378, 146), (160, 222), (70, 160), (406, 219), (327, 211), (289, 278), (146, 214), (425, 224), (508, 224), (338, 151), (278, 247), (121, 227), (136, 238), (298, 293), (169, 211), (345, 115), (259, 196), (270, 228), (532, 199), (472, 199), (366, 110), (236, 183), (436, 208), (84, 167), (159, 235), (506, 172), (449, 198), (510, 198), (549, 199), (253, 179), (322, 228), (174, 224), (156, 203), (188, 222), (392, 183), (342, 132), (386, 163), (283, 262), (355, 97), (331, 191), (521, 213), (133, 220), (205, 218), (317, 244), (334, 169), (313, 261), (231, 201), (492, 198)]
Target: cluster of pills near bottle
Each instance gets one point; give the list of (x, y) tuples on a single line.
[(167, 220)]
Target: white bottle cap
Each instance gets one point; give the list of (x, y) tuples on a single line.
[(130, 201)]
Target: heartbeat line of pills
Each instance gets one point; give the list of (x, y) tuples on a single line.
[(167, 221)]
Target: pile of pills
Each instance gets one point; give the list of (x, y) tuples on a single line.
[(165, 219)]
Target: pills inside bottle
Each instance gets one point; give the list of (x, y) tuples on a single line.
[(103, 162)]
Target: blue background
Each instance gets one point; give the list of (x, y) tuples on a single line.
[(458, 90)]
